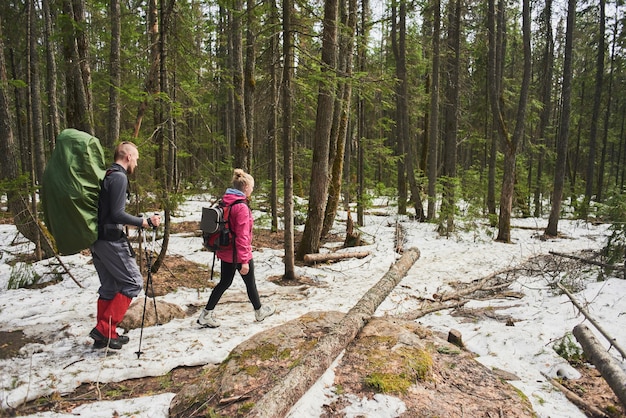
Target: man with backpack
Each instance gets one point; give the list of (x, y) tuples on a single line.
[(113, 256), (237, 257)]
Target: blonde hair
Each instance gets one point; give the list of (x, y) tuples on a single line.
[(241, 179)]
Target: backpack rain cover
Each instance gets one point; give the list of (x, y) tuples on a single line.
[(69, 190)]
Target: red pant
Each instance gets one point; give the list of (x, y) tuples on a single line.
[(110, 313)]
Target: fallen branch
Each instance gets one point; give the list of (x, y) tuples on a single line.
[(323, 257), (590, 410), (607, 365), (472, 287), (593, 321), (588, 261), (430, 308), (280, 398)]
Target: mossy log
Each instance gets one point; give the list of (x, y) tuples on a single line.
[(279, 399)]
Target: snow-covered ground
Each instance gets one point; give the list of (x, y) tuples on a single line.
[(63, 314)]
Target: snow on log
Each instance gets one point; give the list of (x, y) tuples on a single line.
[(279, 399), (322, 257), (606, 364)]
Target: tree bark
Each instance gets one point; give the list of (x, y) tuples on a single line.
[(433, 141), (272, 126), (242, 146), (606, 364), (451, 117), (287, 105), (547, 70), (115, 74), (318, 193), (278, 400), (54, 124), (593, 128), (36, 115), (561, 157), (343, 109), (511, 145), (249, 78), (78, 109)]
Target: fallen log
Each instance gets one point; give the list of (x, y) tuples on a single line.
[(595, 323), (606, 364), (589, 409), (279, 399), (323, 257)]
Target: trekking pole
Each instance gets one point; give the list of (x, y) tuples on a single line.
[(150, 281), (145, 299), (149, 285)]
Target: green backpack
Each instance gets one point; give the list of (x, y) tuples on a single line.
[(70, 188)]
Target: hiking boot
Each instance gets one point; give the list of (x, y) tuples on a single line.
[(207, 319), (123, 339), (263, 312), (100, 341)]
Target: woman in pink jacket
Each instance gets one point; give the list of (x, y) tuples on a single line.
[(240, 258)]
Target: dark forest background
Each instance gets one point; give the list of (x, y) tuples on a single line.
[(456, 108)]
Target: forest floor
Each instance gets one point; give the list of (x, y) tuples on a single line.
[(179, 272)]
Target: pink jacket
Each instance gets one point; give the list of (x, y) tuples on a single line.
[(240, 222)]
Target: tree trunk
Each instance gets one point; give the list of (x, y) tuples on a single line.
[(17, 200), (77, 113), (272, 127), (278, 400), (396, 133), (511, 146), (448, 205), (360, 131), (54, 124), (547, 70), (343, 108), (166, 152), (115, 74), (433, 141), (608, 366), (36, 115), (323, 122), (561, 157), (593, 128), (152, 80), (607, 114), (249, 80), (287, 103), (242, 146)]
